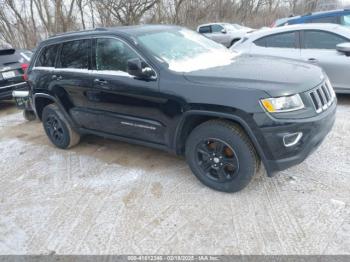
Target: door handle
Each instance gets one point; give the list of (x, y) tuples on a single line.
[(57, 77), (100, 81), (313, 60)]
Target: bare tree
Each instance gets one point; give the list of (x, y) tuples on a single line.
[(25, 22)]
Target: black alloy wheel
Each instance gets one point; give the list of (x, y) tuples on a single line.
[(217, 160)]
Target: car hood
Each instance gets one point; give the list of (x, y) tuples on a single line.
[(275, 76)]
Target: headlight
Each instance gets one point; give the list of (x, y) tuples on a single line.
[(283, 104)]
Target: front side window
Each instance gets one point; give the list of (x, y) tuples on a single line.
[(113, 54), (285, 40), (204, 30), (345, 20), (75, 54), (185, 51), (47, 57), (322, 40), (216, 28)]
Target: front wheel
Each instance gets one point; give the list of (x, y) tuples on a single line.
[(221, 156)]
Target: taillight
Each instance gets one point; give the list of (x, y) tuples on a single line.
[(25, 68)]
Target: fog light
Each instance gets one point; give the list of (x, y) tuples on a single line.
[(292, 139)]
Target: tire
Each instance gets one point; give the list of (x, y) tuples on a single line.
[(29, 115), (58, 129), (234, 41), (238, 161)]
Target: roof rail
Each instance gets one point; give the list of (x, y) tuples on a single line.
[(77, 32)]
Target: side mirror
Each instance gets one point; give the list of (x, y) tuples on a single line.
[(223, 31), (138, 68), (344, 48)]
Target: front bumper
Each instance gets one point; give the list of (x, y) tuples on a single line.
[(314, 130)]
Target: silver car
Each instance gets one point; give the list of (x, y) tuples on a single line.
[(223, 33), (326, 45)]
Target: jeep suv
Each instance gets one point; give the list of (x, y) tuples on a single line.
[(173, 89)]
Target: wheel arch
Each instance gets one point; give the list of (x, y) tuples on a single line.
[(193, 118), (40, 100)]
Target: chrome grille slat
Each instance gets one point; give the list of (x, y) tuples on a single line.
[(326, 92), (322, 97)]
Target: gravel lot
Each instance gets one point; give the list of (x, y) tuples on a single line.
[(108, 197)]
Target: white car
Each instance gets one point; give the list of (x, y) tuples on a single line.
[(223, 33), (327, 45)]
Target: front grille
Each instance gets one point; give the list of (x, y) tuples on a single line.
[(322, 96)]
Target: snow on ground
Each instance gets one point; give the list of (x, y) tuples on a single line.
[(108, 197)]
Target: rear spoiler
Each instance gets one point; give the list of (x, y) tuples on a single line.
[(7, 51)]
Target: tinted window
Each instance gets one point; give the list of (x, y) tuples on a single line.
[(48, 56), (112, 54), (216, 28), (286, 40), (75, 54), (322, 40), (345, 20), (204, 29), (326, 19)]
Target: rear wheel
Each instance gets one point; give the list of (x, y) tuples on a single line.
[(221, 156), (234, 41), (58, 129), (29, 115)]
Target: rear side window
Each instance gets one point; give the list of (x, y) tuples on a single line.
[(284, 40), (204, 30), (47, 57), (345, 20), (325, 19), (75, 54), (113, 54), (322, 40)]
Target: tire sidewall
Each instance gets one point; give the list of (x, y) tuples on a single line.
[(247, 162), (52, 111)]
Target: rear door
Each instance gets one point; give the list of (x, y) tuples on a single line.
[(41, 73), (285, 44), (72, 80), (319, 47)]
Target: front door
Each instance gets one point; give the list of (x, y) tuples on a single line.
[(319, 47), (124, 105)]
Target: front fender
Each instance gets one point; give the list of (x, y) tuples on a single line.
[(248, 127)]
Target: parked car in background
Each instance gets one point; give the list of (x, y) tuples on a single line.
[(171, 88), (341, 17), (223, 33), (326, 45), (13, 64)]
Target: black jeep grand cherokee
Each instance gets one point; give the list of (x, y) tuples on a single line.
[(171, 88)]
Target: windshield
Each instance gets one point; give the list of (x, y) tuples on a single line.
[(185, 51)]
